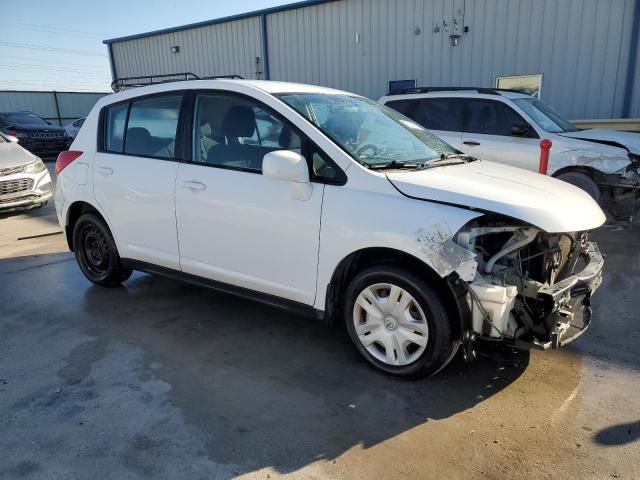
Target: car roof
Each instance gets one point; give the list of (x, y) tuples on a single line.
[(461, 92), (268, 86)]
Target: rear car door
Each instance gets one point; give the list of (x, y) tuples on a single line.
[(235, 225), (134, 175), (440, 115), (487, 134)]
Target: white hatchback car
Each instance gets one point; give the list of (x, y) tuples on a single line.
[(334, 205), (506, 126)]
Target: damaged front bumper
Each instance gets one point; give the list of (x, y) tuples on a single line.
[(569, 303)]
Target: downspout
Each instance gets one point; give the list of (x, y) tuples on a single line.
[(55, 99), (631, 65), (265, 46), (112, 64)]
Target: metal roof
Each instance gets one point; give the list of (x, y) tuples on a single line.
[(255, 13)]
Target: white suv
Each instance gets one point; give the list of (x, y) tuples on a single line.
[(506, 126), (334, 205)]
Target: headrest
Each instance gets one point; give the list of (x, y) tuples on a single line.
[(240, 121), (288, 140), (138, 134), (205, 129)]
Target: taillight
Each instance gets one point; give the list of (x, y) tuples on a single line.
[(65, 158), (13, 132)]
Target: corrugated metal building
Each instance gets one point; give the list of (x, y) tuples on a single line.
[(587, 50), (59, 108)]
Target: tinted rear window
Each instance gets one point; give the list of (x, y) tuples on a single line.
[(431, 113)]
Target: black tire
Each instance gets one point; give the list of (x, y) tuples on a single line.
[(584, 182), (440, 347), (96, 252)]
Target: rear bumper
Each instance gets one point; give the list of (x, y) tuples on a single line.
[(571, 303)]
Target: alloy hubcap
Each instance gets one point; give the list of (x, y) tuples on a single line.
[(390, 324)]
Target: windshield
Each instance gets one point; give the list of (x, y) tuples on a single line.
[(548, 118), (371, 133), (23, 119)]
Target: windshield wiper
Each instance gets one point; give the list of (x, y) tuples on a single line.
[(458, 156), (394, 164)]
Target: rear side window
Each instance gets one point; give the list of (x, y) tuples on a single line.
[(490, 117), (152, 127), (115, 120), (432, 113), (405, 107)]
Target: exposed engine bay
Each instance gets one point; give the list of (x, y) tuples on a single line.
[(532, 289)]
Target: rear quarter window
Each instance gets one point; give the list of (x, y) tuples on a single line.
[(115, 121)]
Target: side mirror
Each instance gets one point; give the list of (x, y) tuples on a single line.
[(520, 130), (290, 167), (285, 165)]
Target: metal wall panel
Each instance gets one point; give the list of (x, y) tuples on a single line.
[(359, 45), (221, 49), (72, 105), (580, 46)]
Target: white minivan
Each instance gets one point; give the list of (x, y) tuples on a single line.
[(506, 126), (333, 205)]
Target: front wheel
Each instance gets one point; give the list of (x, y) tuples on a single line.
[(397, 322), (96, 252), (583, 182)]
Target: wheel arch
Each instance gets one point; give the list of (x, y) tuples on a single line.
[(591, 172), (74, 212), (447, 288)]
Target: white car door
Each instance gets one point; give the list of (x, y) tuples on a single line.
[(487, 134), (235, 225), (134, 178)]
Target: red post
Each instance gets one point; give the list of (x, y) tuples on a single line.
[(545, 146)]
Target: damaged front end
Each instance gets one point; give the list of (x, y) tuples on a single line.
[(531, 289)]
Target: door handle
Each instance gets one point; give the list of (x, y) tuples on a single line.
[(194, 186), (472, 143), (104, 171)]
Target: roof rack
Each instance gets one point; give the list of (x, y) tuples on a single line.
[(120, 84), (487, 91)]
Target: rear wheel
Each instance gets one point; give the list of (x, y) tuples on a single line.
[(397, 322), (96, 252)]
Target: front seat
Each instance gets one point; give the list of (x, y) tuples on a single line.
[(239, 122)]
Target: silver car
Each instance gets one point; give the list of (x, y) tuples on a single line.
[(24, 179)]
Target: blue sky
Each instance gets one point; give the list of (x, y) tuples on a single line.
[(47, 45)]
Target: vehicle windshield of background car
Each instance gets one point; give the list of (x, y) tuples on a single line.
[(549, 119), (24, 119), (371, 133)]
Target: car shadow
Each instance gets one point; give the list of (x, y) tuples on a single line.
[(271, 388), (618, 434)]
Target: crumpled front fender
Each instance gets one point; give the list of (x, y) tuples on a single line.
[(602, 162)]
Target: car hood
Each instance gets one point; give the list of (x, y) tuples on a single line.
[(627, 140), (13, 155), (544, 202)]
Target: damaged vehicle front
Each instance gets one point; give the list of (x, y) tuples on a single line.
[(457, 251), (604, 163)]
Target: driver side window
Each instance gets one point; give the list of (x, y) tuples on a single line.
[(235, 132), (490, 117)]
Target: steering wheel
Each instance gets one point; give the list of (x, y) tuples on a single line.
[(368, 147)]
